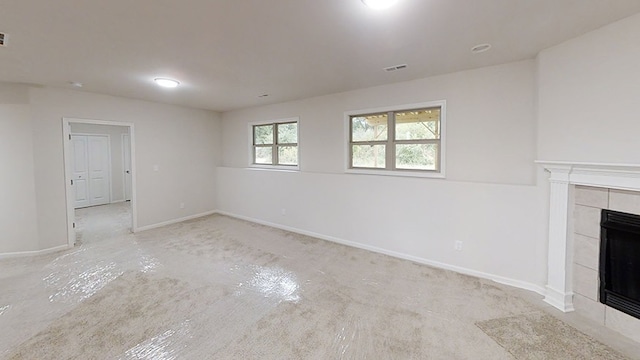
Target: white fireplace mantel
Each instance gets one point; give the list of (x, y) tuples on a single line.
[(559, 291)]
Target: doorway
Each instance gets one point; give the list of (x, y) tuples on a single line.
[(100, 174)]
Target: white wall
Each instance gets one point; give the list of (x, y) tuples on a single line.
[(183, 142), (18, 231), (488, 201), (589, 96), (490, 123), (115, 142)]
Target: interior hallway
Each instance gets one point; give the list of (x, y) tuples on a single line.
[(222, 288)]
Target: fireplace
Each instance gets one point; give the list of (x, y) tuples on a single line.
[(578, 192), (620, 261)]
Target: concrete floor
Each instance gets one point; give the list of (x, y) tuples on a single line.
[(221, 288)]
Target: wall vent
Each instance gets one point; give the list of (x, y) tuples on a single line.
[(3, 39), (396, 67)]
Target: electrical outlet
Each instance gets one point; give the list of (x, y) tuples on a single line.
[(283, 211), (181, 205), (458, 245)]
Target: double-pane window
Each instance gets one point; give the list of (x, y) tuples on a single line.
[(275, 144), (397, 140)]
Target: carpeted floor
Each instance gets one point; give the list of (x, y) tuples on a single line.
[(97, 223), (221, 288), (540, 336)]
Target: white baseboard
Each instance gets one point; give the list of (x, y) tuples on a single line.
[(174, 221), (34, 253), (559, 300), (497, 278)]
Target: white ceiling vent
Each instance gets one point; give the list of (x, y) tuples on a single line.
[(396, 67), (3, 39)]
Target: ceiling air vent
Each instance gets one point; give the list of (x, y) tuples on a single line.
[(3, 39), (396, 67)]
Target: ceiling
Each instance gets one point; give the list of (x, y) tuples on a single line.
[(226, 53)]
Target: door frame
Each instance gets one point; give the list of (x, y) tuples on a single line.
[(66, 133), (124, 176)]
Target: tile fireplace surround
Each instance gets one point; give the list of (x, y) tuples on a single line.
[(578, 193)]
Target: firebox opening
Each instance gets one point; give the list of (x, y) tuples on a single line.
[(620, 261)]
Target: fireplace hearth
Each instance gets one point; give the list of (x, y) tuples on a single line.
[(620, 261)]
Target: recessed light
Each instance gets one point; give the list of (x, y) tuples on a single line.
[(168, 83), (379, 4), (480, 48)]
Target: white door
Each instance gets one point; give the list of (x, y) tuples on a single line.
[(80, 170), (90, 168), (126, 161), (99, 184)]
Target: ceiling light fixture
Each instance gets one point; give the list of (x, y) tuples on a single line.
[(480, 48), (167, 83), (379, 4)]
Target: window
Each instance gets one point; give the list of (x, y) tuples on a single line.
[(408, 140), (275, 144)]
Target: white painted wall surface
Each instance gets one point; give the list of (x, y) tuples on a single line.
[(413, 217), (488, 200), (490, 123), (184, 143), (18, 221), (115, 136), (589, 96)]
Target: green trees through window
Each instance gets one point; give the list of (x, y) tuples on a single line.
[(276, 144), (397, 140)]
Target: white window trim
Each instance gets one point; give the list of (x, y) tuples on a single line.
[(408, 173), (268, 166)]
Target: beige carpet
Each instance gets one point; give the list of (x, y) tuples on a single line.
[(221, 288), (542, 337), (122, 316)]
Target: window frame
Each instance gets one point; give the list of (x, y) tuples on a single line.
[(391, 142), (275, 146)]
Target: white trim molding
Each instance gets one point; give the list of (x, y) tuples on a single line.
[(564, 175), (35, 253), (174, 221)]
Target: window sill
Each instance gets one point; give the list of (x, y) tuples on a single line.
[(274, 168), (399, 173)]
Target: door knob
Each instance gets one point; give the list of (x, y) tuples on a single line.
[(127, 171)]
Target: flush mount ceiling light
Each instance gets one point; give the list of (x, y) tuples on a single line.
[(379, 4), (167, 83), (480, 48)]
